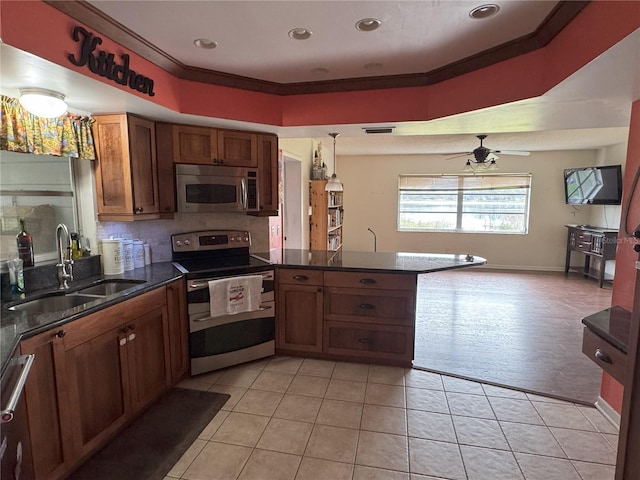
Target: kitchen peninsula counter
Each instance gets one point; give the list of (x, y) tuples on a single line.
[(352, 306), (381, 262)]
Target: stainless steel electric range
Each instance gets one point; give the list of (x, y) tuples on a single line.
[(223, 340)]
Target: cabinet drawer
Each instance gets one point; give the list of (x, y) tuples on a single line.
[(295, 276), (608, 357), (392, 307), (380, 281), (372, 341), (583, 246)]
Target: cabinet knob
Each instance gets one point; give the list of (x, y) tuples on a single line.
[(138, 210), (61, 334), (319, 289), (367, 306), (602, 356), (364, 340), (636, 248), (367, 281), (301, 278)]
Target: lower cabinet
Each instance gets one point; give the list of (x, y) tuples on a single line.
[(361, 315), (178, 330), (92, 376), (299, 311)]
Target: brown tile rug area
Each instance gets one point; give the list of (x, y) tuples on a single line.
[(153, 443)]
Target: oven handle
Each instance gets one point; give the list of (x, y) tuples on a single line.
[(7, 413), (260, 309), (206, 284)]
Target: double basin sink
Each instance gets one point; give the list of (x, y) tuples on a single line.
[(65, 300)]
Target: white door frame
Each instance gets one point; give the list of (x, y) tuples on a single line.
[(292, 202)]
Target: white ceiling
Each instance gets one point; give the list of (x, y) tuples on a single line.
[(588, 110)]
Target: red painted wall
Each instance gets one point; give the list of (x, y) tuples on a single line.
[(40, 29), (624, 282)]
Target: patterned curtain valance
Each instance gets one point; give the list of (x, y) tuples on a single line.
[(66, 136)]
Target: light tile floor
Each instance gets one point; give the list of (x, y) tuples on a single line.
[(293, 418)]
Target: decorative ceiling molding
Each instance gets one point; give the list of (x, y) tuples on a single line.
[(86, 13)]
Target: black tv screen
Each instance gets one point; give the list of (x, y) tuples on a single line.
[(593, 185)]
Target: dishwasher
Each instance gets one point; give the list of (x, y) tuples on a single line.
[(15, 448)]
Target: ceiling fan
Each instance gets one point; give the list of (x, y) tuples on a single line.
[(485, 158)]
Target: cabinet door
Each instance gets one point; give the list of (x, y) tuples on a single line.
[(268, 174), (144, 168), (98, 383), (178, 330), (237, 149), (194, 144), (148, 349), (46, 406), (113, 167), (299, 318)]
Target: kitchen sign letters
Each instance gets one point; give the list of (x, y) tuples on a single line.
[(103, 63)]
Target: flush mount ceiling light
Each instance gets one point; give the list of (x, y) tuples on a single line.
[(300, 33), (334, 185), (205, 43), (42, 102), (484, 11), (368, 24)]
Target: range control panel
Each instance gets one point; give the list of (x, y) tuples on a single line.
[(210, 240)]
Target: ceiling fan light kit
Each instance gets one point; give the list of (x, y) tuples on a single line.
[(484, 159)]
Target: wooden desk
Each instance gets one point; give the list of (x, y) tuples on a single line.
[(593, 242)]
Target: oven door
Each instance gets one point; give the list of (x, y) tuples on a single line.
[(222, 341)]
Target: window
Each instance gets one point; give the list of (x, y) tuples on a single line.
[(497, 203), (40, 189)]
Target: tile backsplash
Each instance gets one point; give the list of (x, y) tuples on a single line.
[(157, 233)]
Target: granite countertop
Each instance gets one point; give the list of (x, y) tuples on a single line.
[(383, 262), (612, 324), (16, 325)]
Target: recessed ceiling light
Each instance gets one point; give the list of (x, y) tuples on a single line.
[(300, 33), (205, 43), (319, 71), (368, 24), (484, 11)]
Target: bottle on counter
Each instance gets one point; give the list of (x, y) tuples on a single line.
[(16, 278), (76, 252), (25, 246)]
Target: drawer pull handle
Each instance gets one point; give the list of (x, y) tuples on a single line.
[(364, 340), (61, 334), (367, 281), (600, 355), (301, 278), (367, 306)]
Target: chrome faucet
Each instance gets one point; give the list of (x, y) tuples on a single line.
[(64, 265)]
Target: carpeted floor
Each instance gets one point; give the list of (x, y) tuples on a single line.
[(514, 329), (153, 443)]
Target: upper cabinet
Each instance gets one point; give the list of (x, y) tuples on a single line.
[(268, 175), (126, 169), (210, 146)]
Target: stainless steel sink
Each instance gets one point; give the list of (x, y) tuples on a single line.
[(108, 287), (52, 304)]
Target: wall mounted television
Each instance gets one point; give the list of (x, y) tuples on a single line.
[(600, 185)]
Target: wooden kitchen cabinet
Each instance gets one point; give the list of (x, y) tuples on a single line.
[(178, 330), (299, 312), (46, 405), (126, 169), (268, 176), (210, 146), (370, 315), (92, 376)]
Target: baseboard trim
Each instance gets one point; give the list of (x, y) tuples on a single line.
[(522, 268), (607, 410)]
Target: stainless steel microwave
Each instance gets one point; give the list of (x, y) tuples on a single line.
[(207, 188)]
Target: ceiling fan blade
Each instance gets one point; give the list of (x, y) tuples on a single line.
[(457, 154), (513, 152)]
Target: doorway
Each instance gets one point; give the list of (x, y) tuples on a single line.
[(292, 202)]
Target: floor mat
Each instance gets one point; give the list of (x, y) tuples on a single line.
[(153, 443)]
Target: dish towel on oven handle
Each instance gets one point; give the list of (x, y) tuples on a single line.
[(229, 296)]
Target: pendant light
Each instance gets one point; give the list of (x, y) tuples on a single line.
[(42, 102), (334, 185)]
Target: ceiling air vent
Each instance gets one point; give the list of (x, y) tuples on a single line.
[(374, 130)]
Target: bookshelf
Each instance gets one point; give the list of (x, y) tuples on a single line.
[(326, 220)]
